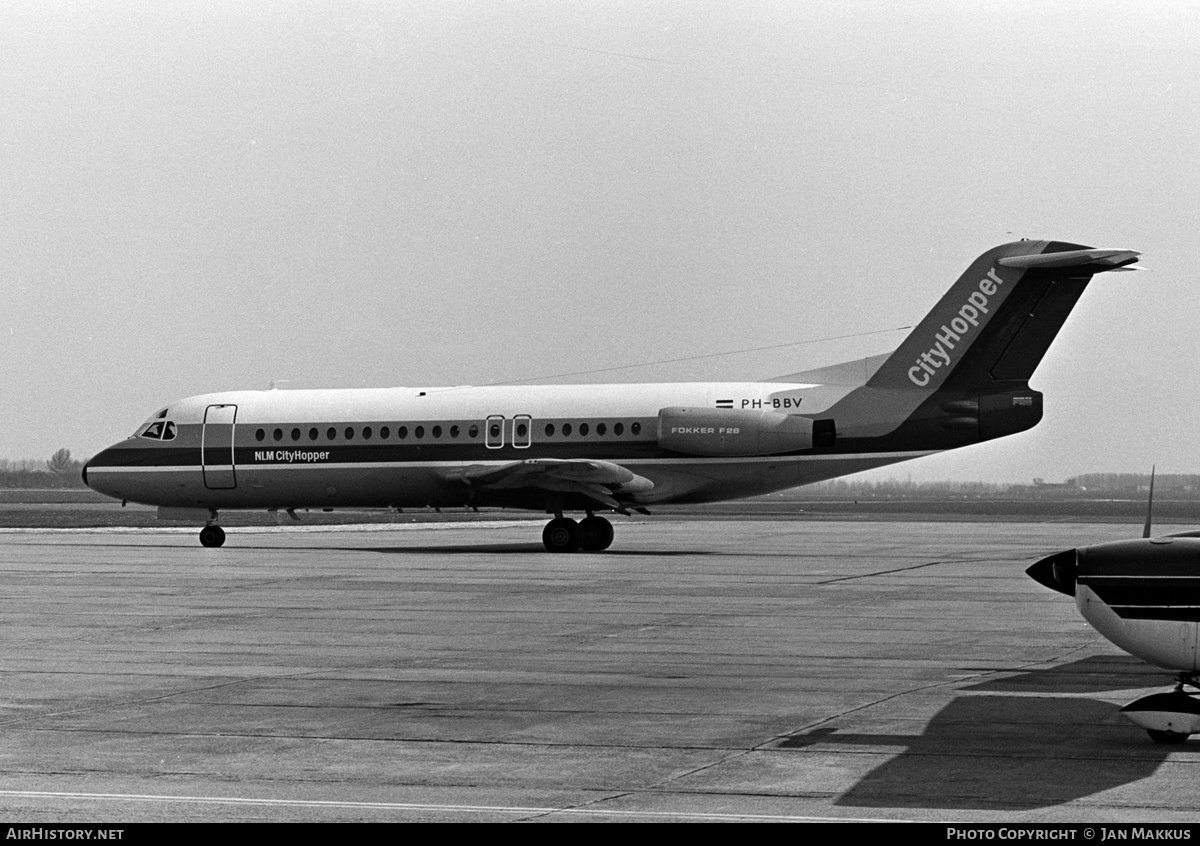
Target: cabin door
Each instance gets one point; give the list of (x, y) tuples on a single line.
[(216, 447)]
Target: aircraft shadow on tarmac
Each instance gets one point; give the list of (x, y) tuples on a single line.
[(1097, 674), (1011, 752), (515, 549)]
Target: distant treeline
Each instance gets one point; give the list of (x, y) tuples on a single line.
[(1087, 486), (1183, 482), (58, 471)]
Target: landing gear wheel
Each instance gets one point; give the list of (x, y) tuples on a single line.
[(212, 536), (561, 535), (1170, 737), (595, 534)]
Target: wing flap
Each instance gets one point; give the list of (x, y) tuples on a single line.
[(590, 476)]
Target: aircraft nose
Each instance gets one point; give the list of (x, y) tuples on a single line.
[(101, 482), (1056, 572)]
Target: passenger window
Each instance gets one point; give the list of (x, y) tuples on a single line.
[(366, 433), (583, 428), (618, 428), (454, 431), (419, 431), (601, 428), (385, 433), (522, 430), (331, 433), (635, 428), (259, 435), (566, 429), (549, 430), (349, 433), (277, 434), (313, 433), (296, 434), (402, 432), (473, 431), (437, 431)]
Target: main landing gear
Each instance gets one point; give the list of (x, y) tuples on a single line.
[(592, 534), (1168, 717)]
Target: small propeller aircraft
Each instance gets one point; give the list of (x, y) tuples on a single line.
[(1144, 596)]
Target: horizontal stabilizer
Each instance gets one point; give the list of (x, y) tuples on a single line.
[(1094, 260)]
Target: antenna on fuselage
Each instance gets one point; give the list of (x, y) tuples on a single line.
[(275, 383), (1149, 504)]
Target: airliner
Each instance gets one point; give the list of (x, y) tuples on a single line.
[(959, 378)]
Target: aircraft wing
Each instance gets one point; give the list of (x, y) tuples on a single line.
[(595, 479)]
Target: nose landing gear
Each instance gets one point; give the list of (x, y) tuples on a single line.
[(1168, 717), (212, 535)]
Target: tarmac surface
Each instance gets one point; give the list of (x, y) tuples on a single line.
[(698, 670)]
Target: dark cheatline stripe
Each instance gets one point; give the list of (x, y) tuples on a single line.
[(1141, 562), (1170, 598), (1163, 591), (1181, 615), (613, 449), (147, 456)]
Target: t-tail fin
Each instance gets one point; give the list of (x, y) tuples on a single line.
[(994, 325)]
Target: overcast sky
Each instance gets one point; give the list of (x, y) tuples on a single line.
[(209, 196)]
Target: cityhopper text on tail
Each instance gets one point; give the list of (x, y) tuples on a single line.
[(959, 378)]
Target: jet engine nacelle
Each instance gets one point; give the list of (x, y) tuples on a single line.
[(735, 432)]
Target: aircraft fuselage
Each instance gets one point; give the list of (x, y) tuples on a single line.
[(404, 447)]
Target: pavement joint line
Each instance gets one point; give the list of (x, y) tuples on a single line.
[(429, 807), (104, 706), (888, 572), (973, 679)]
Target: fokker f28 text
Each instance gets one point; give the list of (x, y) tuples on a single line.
[(961, 377)]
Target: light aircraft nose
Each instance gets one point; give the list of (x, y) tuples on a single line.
[(1056, 572)]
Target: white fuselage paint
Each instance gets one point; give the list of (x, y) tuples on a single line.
[(308, 472), (1171, 644)]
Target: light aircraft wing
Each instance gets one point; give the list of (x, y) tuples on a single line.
[(592, 478)]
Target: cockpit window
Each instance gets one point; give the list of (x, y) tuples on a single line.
[(160, 430)]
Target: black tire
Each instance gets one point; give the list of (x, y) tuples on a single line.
[(561, 535), (1170, 737), (595, 534), (212, 536)]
